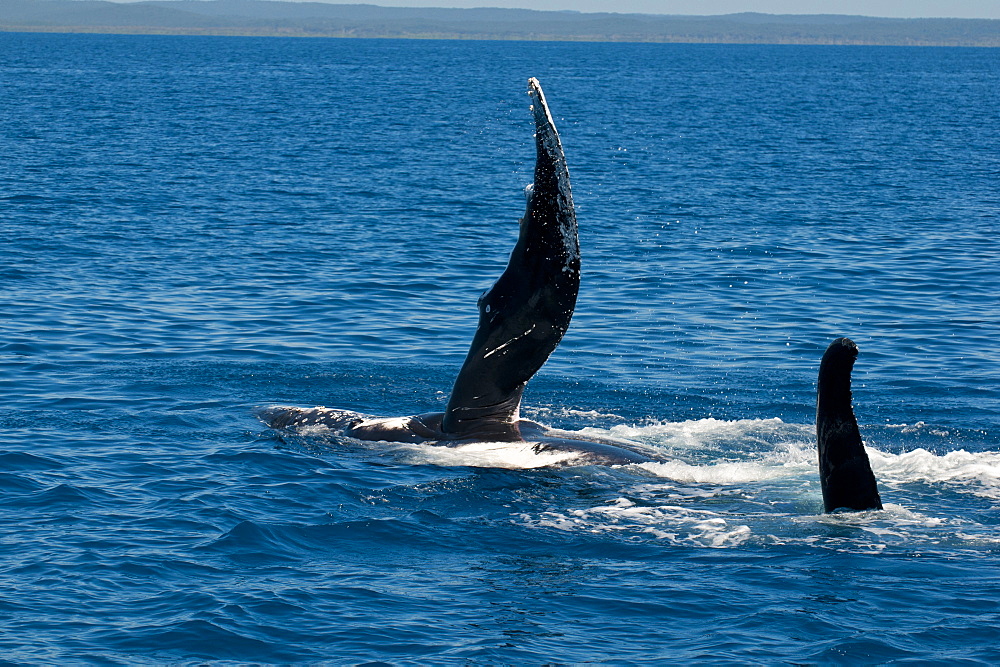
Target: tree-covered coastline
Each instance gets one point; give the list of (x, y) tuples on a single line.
[(314, 19)]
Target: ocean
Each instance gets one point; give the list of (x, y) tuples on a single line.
[(196, 227)]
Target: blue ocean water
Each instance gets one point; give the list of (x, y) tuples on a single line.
[(195, 227)]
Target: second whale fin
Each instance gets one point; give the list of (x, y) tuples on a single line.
[(845, 473)]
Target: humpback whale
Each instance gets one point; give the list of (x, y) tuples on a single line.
[(522, 318), (844, 470)]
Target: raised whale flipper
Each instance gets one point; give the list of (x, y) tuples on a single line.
[(524, 315), (844, 471)]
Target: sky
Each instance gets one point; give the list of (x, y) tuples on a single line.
[(973, 9)]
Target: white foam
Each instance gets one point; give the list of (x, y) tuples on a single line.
[(672, 523), (891, 520), (697, 433), (974, 472), (764, 449), (875, 530), (720, 473)]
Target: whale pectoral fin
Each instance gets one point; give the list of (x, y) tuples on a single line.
[(845, 473), (524, 315)]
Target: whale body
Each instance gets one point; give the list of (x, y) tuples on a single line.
[(522, 318)]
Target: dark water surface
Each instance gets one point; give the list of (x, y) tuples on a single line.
[(192, 227)]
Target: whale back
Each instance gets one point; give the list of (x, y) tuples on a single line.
[(845, 473), (524, 315)]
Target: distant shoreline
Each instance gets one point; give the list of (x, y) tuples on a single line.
[(264, 18), (167, 32)]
